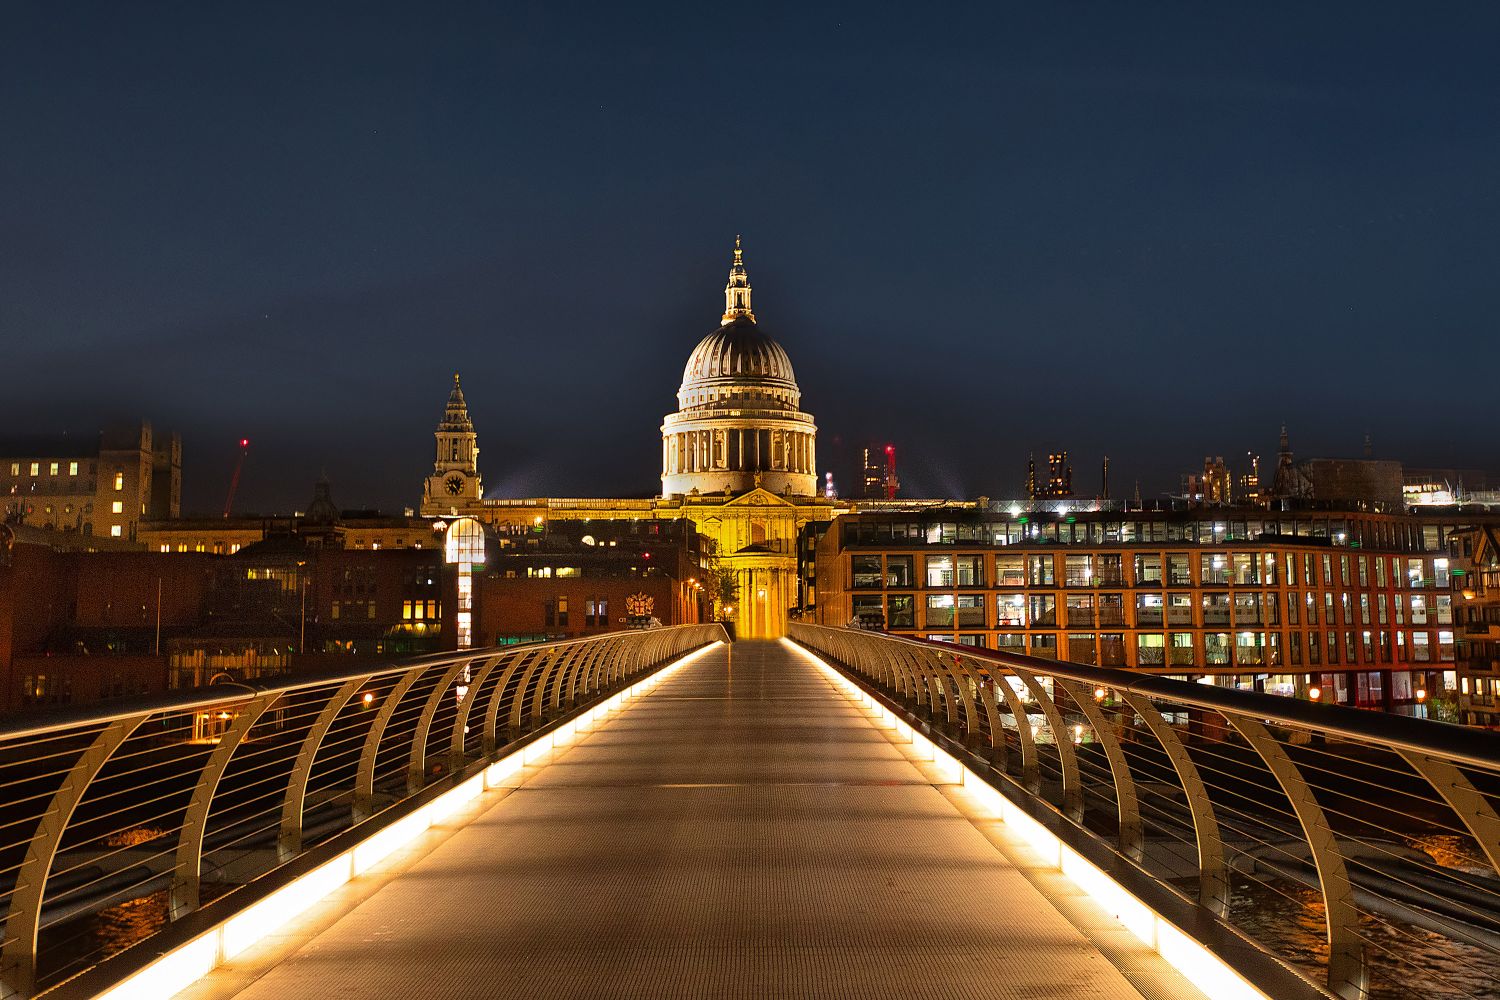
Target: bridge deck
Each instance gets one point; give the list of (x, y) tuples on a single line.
[(741, 831)]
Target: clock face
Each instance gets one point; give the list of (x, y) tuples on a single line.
[(455, 484)]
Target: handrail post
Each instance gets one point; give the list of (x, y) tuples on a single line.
[(23, 922), (364, 782), (289, 838), (189, 867), (1348, 973), (1072, 790), (1213, 878), (461, 718), (1131, 833), (416, 763)]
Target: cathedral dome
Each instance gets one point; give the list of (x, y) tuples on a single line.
[(739, 424), (738, 364)]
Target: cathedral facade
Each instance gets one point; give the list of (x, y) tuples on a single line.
[(738, 460)]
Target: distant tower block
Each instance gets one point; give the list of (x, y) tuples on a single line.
[(880, 473), (1059, 476)]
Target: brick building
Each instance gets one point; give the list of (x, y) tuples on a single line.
[(1476, 583), (1359, 606), (79, 626), (573, 578)]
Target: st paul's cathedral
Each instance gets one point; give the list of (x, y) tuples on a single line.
[(738, 460)]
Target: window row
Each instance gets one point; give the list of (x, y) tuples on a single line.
[(53, 468), (1155, 569), (1203, 609), (1398, 534), (1219, 649)]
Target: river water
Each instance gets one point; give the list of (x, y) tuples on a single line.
[(1288, 918)]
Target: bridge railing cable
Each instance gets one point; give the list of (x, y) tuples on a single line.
[(1360, 849), (118, 820)]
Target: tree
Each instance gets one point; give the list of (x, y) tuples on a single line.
[(719, 584)]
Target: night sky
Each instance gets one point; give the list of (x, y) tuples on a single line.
[(1155, 231)]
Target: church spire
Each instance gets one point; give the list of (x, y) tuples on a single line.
[(456, 413), (737, 292)]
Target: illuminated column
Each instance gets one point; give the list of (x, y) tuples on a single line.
[(464, 546)]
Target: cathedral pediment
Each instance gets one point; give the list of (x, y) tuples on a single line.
[(759, 498)]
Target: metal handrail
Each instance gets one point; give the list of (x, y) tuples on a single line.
[(1480, 748), (138, 801), (1272, 796)]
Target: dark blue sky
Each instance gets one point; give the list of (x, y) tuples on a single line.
[(1151, 230)]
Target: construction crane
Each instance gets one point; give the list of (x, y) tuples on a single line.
[(234, 480)]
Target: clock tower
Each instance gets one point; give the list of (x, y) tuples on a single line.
[(454, 484)]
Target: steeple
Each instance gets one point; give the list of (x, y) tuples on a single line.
[(456, 413), (1285, 482), (737, 292), (458, 444)]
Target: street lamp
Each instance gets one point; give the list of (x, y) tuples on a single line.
[(302, 630)]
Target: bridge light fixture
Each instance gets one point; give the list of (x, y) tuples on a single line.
[(1099, 694), (1421, 694), (1314, 692)]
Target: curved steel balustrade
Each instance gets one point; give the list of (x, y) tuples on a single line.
[(1236, 804), (154, 808)]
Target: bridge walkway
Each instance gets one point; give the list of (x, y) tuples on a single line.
[(742, 831)]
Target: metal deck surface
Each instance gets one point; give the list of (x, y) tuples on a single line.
[(742, 831)]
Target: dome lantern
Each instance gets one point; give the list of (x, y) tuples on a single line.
[(737, 292)]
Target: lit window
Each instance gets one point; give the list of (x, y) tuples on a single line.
[(36, 468), (117, 507), (15, 468), (166, 548), (72, 468), (234, 548), (119, 481), (464, 541), (181, 546), (114, 531), (52, 469)]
